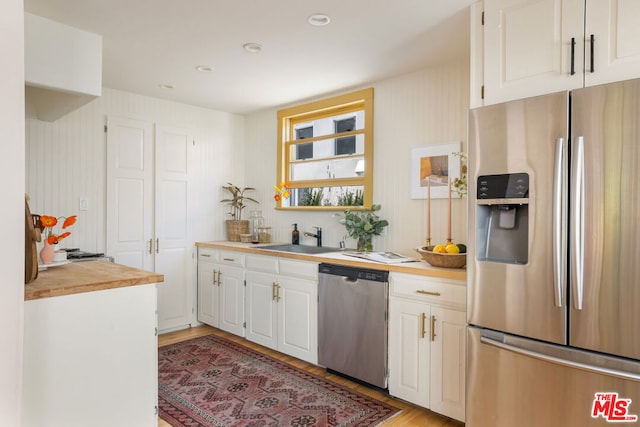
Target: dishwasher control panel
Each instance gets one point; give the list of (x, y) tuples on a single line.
[(354, 273)]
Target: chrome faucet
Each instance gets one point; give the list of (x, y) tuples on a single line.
[(317, 236)]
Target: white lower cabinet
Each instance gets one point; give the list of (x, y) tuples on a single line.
[(282, 305), (427, 325), (221, 289)]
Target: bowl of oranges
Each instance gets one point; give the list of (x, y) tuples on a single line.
[(448, 255)]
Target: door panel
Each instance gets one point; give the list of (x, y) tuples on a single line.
[(517, 137), (506, 388), (607, 118), (528, 47), (614, 25), (130, 192), (173, 248)]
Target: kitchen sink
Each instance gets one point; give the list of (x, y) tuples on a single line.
[(301, 249)]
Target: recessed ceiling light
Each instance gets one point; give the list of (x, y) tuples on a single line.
[(252, 47), (165, 86), (204, 68), (318, 19)]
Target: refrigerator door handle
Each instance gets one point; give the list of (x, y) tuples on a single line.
[(560, 361), (577, 223), (559, 220)]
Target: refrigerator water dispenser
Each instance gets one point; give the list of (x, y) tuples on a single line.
[(502, 218)]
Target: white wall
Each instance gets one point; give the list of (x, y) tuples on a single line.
[(12, 212), (414, 110), (66, 162)]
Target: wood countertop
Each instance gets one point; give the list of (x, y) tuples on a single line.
[(87, 276), (421, 268)]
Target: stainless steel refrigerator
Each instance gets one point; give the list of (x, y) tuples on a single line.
[(553, 302)]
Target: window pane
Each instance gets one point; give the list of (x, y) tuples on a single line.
[(327, 196), (330, 125), (346, 145), (326, 148), (304, 151), (326, 169)]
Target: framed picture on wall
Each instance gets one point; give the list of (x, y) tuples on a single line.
[(431, 169)]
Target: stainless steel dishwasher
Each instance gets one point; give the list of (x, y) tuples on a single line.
[(352, 322)]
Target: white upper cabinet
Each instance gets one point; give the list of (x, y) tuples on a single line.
[(62, 66), (533, 47), (615, 27)]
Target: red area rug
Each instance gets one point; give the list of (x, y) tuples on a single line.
[(210, 381)]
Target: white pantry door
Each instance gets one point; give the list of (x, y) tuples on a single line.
[(148, 195), (173, 248), (130, 192)]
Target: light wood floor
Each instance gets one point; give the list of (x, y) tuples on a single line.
[(411, 415)]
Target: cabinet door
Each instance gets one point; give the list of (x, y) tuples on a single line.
[(261, 309), (298, 318), (528, 47), (231, 283), (615, 30), (448, 362), (208, 301), (409, 351)]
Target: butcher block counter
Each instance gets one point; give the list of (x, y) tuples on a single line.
[(88, 276), (90, 346)]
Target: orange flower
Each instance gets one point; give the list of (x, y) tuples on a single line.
[(281, 191), (48, 221), (69, 222)]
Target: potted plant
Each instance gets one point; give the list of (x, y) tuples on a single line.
[(362, 225), (236, 225)]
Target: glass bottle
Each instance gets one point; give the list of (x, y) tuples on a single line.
[(255, 222)]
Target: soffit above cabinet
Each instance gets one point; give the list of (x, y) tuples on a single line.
[(63, 67)]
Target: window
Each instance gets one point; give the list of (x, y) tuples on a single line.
[(347, 144), (325, 152), (304, 151)]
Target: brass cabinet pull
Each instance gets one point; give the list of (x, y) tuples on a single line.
[(150, 246), (157, 246), (206, 255), (277, 293), (229, 259), (435, 294), (215, 281), (219, 277), (273, 291), (433, 328), (423, 318)]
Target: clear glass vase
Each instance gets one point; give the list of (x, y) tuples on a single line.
[(364, 244)]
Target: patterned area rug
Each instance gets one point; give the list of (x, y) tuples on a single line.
[(210, 381)]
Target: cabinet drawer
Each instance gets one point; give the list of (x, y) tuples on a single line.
[(207, 255), (303, 269), (433, 290), (268, 264), (231, 258)]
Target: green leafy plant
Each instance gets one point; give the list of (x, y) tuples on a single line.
[(351, 198), (362, 225), (460, 184), (313, 197), (237, 201)]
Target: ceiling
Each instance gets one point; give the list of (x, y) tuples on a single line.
[(149, 43)]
